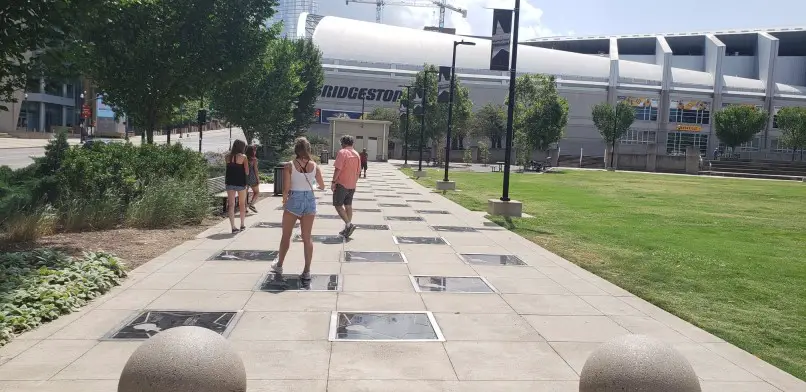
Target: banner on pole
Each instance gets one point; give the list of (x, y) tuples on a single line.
[(444, 84), (501, 40)]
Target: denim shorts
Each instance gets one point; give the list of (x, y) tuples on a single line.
[(234, 188), (301, 203)]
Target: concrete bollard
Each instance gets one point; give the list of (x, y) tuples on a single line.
[(184, 359), (637, 363)]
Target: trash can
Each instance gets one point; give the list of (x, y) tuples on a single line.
[(278, 180), (323, 157)]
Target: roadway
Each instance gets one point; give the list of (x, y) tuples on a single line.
[(18, 153)]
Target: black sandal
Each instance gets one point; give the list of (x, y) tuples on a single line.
[(235, 231), (242, 228)]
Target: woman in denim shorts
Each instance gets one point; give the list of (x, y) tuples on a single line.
[(235, 181), (299, 204)]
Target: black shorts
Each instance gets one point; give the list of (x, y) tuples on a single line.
[(363, 166), (343, 196)]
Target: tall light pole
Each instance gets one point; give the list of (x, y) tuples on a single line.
[(511, 108), (202, 118), (422, 119), (27, 120), (408, 120), (450, 105)]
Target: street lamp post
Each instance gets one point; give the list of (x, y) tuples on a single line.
[(202, 117), (450, 105), (408, 120), (511, 108), (422, 119), (83, 126), (27, 120)]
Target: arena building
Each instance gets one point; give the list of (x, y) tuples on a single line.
[(674, 81)]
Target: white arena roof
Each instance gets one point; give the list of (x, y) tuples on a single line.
[(354, 40)]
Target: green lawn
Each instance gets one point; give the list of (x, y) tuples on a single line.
[(727, 255)]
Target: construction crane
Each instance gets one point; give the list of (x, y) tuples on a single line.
[(441, 4)]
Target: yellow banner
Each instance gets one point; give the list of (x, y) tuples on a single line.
[(690, 105), (640, 102), (689, 128)]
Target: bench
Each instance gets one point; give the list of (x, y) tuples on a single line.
[(217, 188), (498, 168)]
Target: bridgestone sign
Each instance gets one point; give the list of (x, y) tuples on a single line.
[(359, 93)]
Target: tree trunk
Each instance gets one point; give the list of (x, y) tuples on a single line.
[(612, 154)]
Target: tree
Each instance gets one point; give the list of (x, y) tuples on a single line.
[(490, 122), (28, 29), (613, 122), (391, 115), (262, 101), (148, 56), (541, 114), (436, 117), (792, 123), (484, 153), (737, 124), (313, 76), (468, 156)]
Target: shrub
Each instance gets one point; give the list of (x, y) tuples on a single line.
[(170, 204), (41, 285), (468, 156), (91, 214), (126, 170), (24, 226)]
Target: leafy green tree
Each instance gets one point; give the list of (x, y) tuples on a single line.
[(541, 114), (436, 117), (29, 29), (737, 124), (468, 156), (148, 56), (612, 123), (484, 152), (262, 101), (490, 122), (313, 76), (391, 115), (792, 123)]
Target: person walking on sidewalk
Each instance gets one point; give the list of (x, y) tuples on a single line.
[(345, 178), (235, 182), (299, 204), (254, 178), (364, 159)]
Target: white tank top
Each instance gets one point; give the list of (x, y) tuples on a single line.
[(302, 181)]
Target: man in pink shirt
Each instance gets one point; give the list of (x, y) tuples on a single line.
[(345, 179)]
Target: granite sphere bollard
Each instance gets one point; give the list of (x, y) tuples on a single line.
[(184, 359), (637, 363)]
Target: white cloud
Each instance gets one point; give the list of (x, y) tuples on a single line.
[(478, 21)]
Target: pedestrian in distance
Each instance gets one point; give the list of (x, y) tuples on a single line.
[(364, 160), (299, 204), (235, 182), (345, 179), (254, 177)]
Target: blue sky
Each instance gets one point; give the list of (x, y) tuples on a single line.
[(593, 17)]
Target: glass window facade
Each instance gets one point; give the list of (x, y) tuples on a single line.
[(690, 112), (646, 109), (53, 116), (288, 13), (54, 88), (676, 142), (751, 146), (777, 146), (637, 136)]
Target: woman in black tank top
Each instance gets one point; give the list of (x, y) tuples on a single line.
[(235, 181)]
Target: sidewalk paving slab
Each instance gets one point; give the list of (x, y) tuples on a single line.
[(534, 331)]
